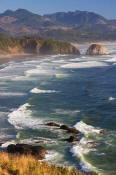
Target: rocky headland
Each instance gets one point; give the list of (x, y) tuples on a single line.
[(34, 45)]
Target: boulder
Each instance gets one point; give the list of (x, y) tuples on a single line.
[(72, 139), (70, 130), (102, 131), (37, 151), (1, 144), (97, 49), (53, 124)]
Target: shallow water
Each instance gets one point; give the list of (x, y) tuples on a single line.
[(72, 90)]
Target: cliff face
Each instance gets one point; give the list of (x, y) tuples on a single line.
[(35, 45), (97, 49)]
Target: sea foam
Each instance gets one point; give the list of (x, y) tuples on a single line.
[(111, 99), (80, 150), (12, 94), (37, 91), (86, 129), (87, 64), (83, 147), (22, 118)]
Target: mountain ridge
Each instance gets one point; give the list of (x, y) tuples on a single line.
[(23, 22)]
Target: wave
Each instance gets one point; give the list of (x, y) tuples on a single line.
[(22, 118), (5, 145), (86, 129), (111, 99), (38, 91), (12, 94), (36, 71), (87, 64), (59, 55), (62, 75), (51, 155), (85, 145), (66, 112), (80, 150), (113, 59)]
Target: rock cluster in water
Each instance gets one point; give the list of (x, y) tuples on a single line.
[(72, 139), (66, 128), (97, 49), (37, 151)]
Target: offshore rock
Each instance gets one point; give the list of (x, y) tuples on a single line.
[(97, 49), (53, 124), (70, 130), (72, 139)]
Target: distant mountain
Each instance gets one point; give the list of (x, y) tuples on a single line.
[(24, 22), (77, 18)]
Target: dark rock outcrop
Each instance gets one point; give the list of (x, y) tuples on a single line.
[(97, 49), (37, 151), (53, 124), (72, 139), (1, 144), (70, 130)]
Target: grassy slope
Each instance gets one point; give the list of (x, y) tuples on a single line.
[(27, 165)]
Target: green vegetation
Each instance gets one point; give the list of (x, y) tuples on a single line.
[(55, 47), (27, 165), (34, 45), (74, 35)]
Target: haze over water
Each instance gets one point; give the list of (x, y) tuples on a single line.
[(78, 91)]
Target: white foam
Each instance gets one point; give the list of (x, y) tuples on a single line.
[(59, 55), (51, 155), (86, 129), (80, 150), (67, 112), (22, 118), (35, 71), (62, 75), (37, 140), (111, 59), (38, 91), (87, 64), (111, 99), (7, 143), (12, 94), (85, 146)]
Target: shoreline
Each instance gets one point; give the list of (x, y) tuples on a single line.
[(5, 58)]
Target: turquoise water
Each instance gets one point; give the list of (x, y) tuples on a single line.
[(72, 90)]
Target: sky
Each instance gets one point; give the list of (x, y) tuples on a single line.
[(104, 7)]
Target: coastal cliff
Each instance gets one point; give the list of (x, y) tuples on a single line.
[(33, 45)]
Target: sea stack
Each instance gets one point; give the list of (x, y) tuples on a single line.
[(97, 49)]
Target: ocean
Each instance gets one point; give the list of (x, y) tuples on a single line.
[(78, 91)]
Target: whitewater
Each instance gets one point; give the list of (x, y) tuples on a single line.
[(78, 91)]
